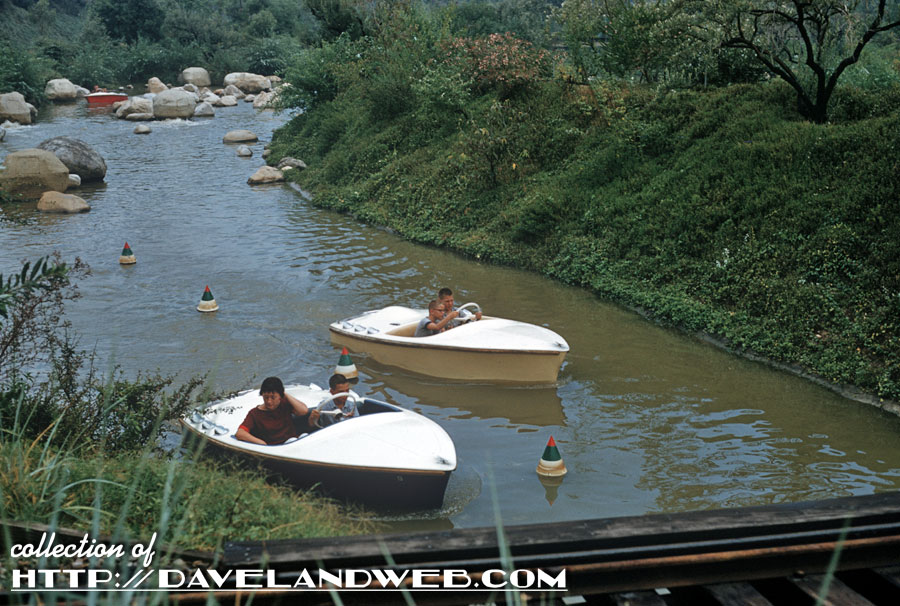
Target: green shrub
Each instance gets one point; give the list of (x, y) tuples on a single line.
[(716, 210), (24, 73)]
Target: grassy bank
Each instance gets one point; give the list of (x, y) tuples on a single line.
[(191, 504), (718, 211), (86, 451)]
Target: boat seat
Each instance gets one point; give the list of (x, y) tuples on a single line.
[(369, 407), (407, 330)]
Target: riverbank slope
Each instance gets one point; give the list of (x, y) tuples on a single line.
[(719, 212)]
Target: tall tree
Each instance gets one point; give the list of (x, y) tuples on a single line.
[(807, 43), (130, 19), (339, 16), (646, 40)]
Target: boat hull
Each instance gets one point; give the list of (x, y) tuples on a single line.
[(105, 98), (463, 364), (382, 489), (386, 457)]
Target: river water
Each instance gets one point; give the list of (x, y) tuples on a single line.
[(647, 420)]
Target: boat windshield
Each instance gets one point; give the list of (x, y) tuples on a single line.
[(368, 407)]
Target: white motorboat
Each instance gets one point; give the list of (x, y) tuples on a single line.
[(387, 457), (491, 349)]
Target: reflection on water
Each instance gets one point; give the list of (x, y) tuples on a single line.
[(551, 486), (646, 419), (519, 405)]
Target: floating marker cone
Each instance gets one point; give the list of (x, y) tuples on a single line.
[(207, 302), (551, 464), (127, 257), (346, 367)]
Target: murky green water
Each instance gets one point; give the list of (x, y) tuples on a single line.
[(646, 420)]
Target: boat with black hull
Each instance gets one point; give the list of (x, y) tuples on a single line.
[(388, 457)]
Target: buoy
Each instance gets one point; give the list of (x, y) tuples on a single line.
[(207, 302), (551, 464), (346, 367), (127, 257)]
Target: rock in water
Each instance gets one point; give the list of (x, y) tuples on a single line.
[(56, 202), (31, 172), (13, 107), (197, 76), (174, 103), (60, 89), (266, 174), (239, 136), (79, 157)]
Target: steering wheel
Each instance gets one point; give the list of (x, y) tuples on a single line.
[(335, 413), (476, 308)]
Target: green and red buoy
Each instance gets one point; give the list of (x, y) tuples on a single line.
[(127, 256), (207, 302), (346, 367), (551, 463)]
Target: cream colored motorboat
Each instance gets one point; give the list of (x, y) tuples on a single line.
[(491, 349)]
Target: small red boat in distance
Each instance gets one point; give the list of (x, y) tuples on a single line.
[(103, 97)]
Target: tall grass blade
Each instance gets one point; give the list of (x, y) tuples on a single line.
[(832, 564)]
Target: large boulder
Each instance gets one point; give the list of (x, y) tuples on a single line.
[(226, 101), (156, 86), (142, 129), (174, 103), (204, 110), (140, 117), (249, 83), (56, 202), (244, 151), (13, 107), (79, 157), (266, 174), (234, 91), (263, 99), (135, 105), (60, 89), (239, 136), (288, 162), (31, 172), (195, 75)]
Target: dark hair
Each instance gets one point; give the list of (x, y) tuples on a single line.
[(272, 385), (445, 292), (337, 379)]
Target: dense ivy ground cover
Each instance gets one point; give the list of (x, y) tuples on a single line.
[(717, 211)]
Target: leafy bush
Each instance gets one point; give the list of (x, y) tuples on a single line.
[(272, 56), (315, 74), (22, 72), (498, 62), (129, 19)]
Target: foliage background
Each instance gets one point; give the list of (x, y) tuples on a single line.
[(606, 144), (685, 184)]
